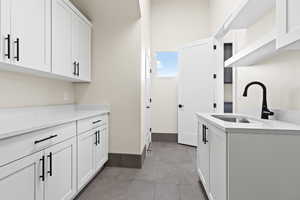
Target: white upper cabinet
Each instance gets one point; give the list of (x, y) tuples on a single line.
[(288, 24), (25, 31), (62, 39), (84, 50), (30, 29), (49, 38), (5, 41), (71, 42)]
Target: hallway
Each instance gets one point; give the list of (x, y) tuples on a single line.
[(169, 173)]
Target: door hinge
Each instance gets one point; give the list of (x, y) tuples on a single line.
[(150, 100), (150, 70), (215, 105), (150, 129), (215, 76), (215, 47)]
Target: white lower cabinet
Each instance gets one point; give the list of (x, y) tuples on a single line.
[(21, 179), (92, 154), (211, 157), (248, 164), (217, 163), (203, 156), (61, 167), (101, 151), (50, 173), (86, 151), (55, 163)]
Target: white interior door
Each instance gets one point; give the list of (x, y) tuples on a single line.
[(148, 99), (30, 26), (196, 87)]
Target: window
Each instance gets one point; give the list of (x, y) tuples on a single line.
[(167, 64)]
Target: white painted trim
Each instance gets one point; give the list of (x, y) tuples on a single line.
[(244, 15), (77, 12), (195, 43), (254, 53), (35, 72)]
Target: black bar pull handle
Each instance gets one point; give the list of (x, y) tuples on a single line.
[(98, 137), (98, 121), (43, 168), (78, 71), (203, 130), (50, 164), (8, 46), (42, 140), (205, 135), (17, 42), (75, 68)]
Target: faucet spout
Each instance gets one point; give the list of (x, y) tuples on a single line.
[(265, 113)]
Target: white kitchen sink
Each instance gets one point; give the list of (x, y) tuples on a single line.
[(232, 118)]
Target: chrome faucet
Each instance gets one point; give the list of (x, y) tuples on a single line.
[(265, 113)]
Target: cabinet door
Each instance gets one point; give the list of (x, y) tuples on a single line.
[(5, 40), (62, 63), (288, 23), (75, 45), (101, 154), (61, 171), (86, 155), (84, 47), (30, 28), (21, 179), (203, 155), (217, 165)]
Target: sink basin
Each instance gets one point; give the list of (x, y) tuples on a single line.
[(232, 118)]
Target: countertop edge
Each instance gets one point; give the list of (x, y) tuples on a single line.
[(7, 135), (241, 130)]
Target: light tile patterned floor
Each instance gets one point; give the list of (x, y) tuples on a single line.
[(169, 173)]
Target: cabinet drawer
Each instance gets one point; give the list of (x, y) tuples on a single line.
[(91, 123), (17, 147)]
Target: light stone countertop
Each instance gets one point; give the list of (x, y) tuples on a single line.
[(18, 121), (255, 126)]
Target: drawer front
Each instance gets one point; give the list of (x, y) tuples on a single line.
[(91, 123), (17, 147)]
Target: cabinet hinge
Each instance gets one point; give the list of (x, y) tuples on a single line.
[(215, 105), (215, 47), (215, 76)]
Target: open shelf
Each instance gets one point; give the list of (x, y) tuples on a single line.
[(254, 53), (246, 14)]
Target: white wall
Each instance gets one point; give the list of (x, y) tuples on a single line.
[(116, 69), (174, 23), (19, 90), (280, 73)]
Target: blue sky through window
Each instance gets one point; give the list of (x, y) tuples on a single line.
[(167, 64)]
